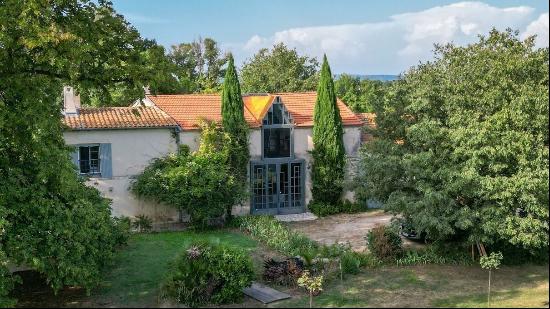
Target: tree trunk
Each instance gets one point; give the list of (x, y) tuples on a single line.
[(311, 299), (489, 293)]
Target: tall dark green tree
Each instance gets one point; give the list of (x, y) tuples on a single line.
[(234, 123), (329, 156)]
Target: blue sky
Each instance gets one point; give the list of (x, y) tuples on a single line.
[(362, 37)]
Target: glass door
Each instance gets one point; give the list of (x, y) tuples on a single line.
[(277, 188)]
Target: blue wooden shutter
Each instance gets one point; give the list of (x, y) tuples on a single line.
[(105, 161), (74, 157)]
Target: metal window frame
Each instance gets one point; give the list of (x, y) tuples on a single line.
[(98, 173), (278, 210)]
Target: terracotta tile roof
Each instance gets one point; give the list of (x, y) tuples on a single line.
[(119, 118), (301, 106), (188, 109), (369, 121)]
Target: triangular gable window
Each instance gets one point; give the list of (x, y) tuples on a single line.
[(277, 114)]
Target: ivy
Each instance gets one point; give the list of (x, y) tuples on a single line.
[(200, 183)]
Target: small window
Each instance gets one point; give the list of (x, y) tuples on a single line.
[(88, 159)]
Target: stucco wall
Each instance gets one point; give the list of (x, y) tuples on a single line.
[(303, 143), (131, 151)]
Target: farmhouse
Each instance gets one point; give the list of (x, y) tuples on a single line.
[(115, 144)]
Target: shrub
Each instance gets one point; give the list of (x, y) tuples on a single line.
[(121, 231), (385, 243), (285, 273), (276, 236), (143, 224), (434, 254), (207, 273), (350, 262), (200, 183), (323, 209), (352, 207)]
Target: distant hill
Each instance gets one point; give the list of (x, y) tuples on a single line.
[(381, 77)]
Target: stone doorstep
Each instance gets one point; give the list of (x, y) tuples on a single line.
[(306, 216), (264, 293)]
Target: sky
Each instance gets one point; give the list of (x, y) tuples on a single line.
[(358, 36)]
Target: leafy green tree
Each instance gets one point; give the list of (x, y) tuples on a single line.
[(329, 156), (50, 220), (235, 125), (360, 95), (199, 65), (491, 262), (279, 70), (461, 146)]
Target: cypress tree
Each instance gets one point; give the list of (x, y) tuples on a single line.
[(329, 153), (235, 125)]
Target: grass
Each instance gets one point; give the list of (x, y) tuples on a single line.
[(434, 286), (140, 267)]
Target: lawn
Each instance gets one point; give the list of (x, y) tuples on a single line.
[(135, 277), (139, 268), (435, 286)]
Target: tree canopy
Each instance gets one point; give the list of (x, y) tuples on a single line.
[(360, 95), (279, 70), (198, 65), (51, 221), (329, 156), (462, 144)]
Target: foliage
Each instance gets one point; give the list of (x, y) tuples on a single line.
[(279, 70), (461, 145), (276, 236), (329, 156), (491, 261), (432, 255), (235, 126), (360, 95), (284, 273), (207, 273), (351, 262), (143, 223), (51, 221), (385, 243), (513, 255), (324, 209), (198, 65), (199, 183), (313, 284)]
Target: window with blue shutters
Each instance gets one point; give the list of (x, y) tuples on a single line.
[(93, 160)]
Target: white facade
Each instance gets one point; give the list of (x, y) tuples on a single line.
[(131, 151), (134, 149)]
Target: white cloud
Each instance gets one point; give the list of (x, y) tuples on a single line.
[(404, 40), (538, 27)]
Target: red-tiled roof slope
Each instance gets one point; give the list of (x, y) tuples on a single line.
[(119, 118), (188, 109), (301, 106)]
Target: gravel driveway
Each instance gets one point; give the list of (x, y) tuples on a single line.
[(342, 228)]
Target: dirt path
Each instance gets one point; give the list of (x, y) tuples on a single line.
[(342, 228)]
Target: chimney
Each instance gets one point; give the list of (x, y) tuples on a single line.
[(147, 90), (71, 102)]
